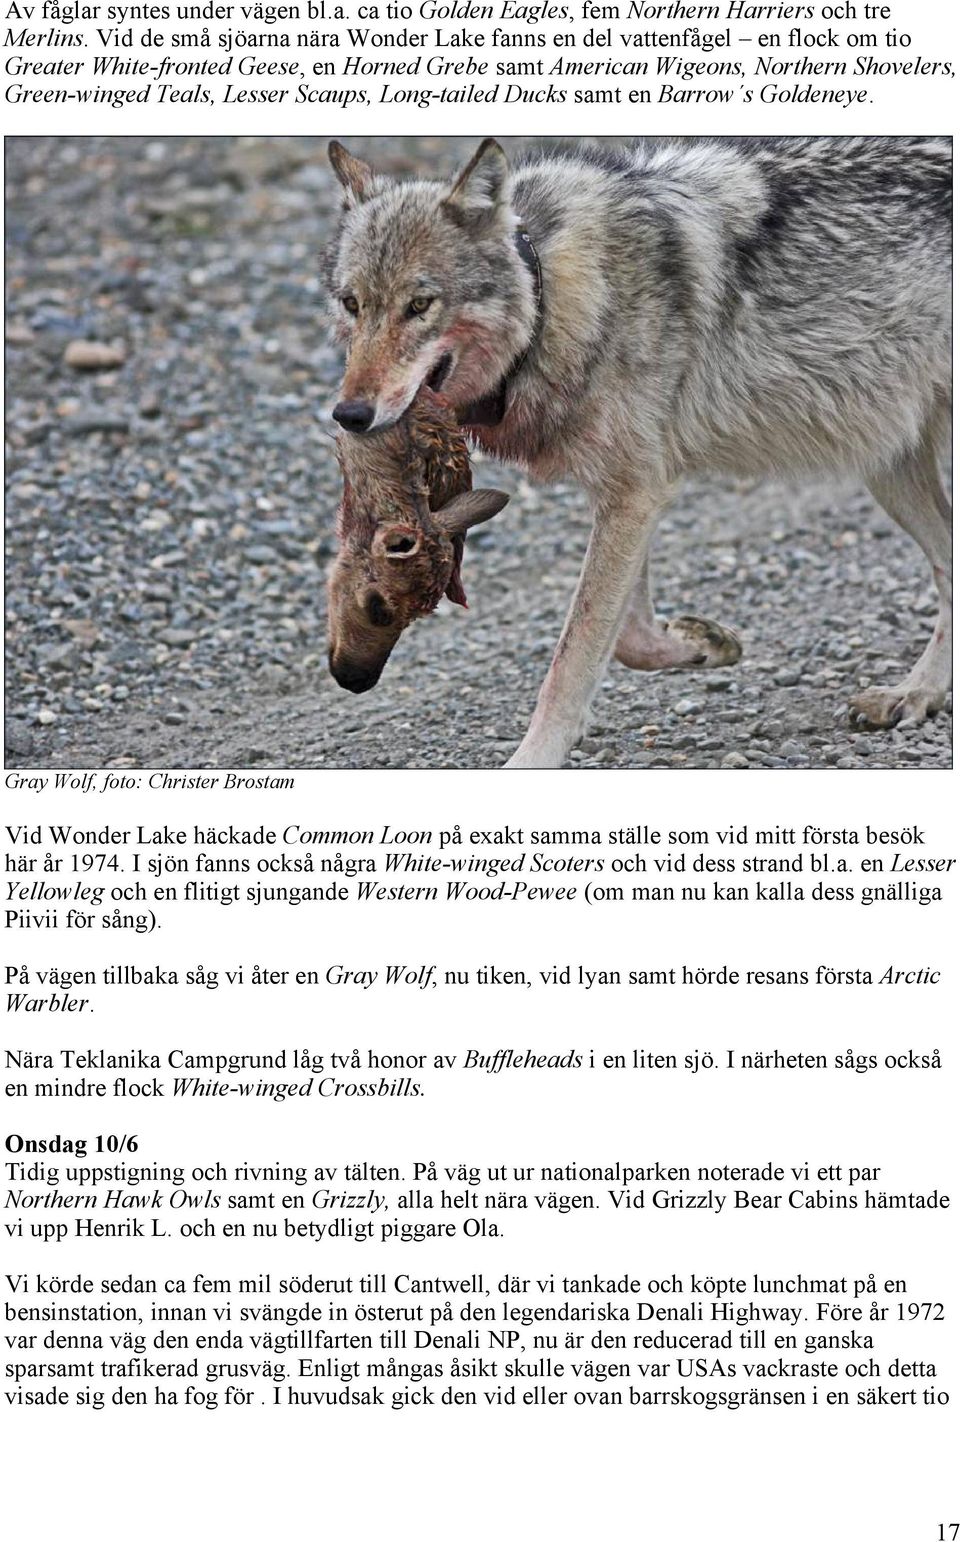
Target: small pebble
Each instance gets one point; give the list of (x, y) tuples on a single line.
[(82, 354)]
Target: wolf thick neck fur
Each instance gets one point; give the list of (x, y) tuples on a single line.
[(621, 247), (491, 409)]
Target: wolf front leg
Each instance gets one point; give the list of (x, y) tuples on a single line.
[(615, 555)]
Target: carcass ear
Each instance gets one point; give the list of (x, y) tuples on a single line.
[(469, 509), (356, 177), (396, 542), (479, 194)]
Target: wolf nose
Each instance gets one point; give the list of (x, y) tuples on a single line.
[(353, 416)]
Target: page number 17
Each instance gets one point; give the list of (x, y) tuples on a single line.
[(949, 1532)]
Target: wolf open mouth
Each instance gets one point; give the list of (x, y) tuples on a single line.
[(440, 371)]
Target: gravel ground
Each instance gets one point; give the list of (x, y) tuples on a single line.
[(170, 514)]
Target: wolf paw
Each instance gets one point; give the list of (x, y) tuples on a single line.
[(686, 642), (714, 646), (896, 706)]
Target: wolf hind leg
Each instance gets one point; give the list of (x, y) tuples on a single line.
[(912, 494), (686, 642)]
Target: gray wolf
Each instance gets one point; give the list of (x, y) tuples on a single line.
[(627, 316)]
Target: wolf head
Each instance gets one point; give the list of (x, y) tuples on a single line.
[(407, 505), (427, 287)]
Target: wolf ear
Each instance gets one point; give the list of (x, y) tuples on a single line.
[(469, 509), (356, 177), (480, 192)]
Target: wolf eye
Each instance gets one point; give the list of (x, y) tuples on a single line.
[(350, 304), (420, 305)]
